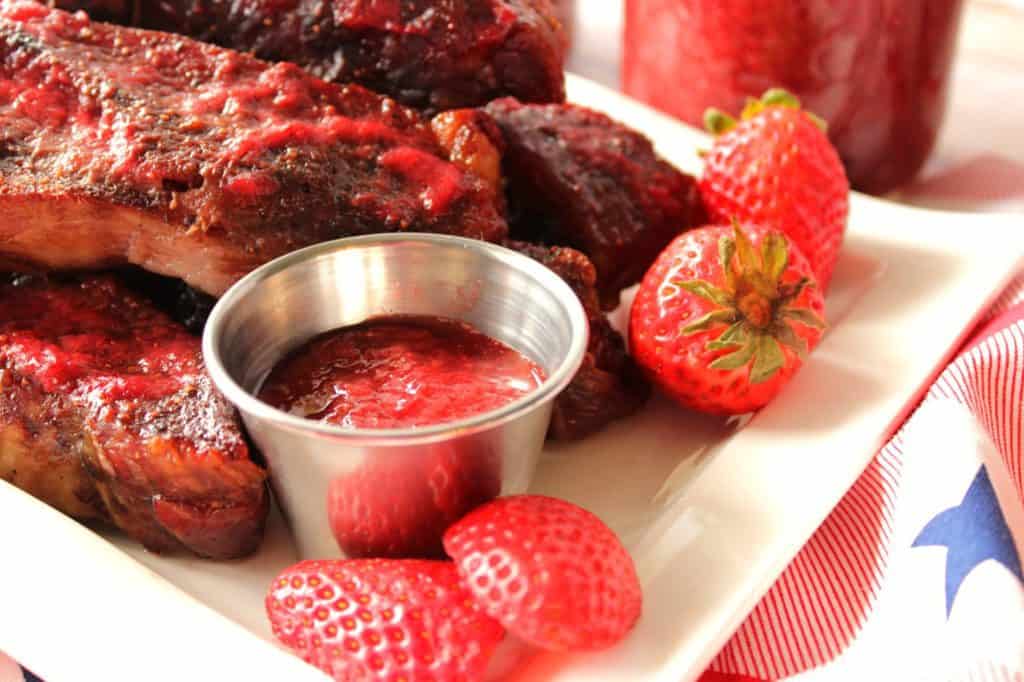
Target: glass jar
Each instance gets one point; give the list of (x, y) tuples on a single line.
[(565, 10), (876, 70)]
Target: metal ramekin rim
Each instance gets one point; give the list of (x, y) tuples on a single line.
[(249, 404)]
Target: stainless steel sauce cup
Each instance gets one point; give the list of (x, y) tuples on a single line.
[(392, 492)]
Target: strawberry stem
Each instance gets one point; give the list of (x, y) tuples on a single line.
[(717, 122), (754, 307)]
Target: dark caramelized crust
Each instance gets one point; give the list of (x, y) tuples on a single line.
[(577, 178), (107, 413), (126, 146), (609, 386), (117, 11), (424, 53)]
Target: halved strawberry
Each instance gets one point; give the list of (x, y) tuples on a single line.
[(379, 619), (551, 572)]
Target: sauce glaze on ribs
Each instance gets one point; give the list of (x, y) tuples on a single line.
[(424, 53), (126, 146), (107, 413)]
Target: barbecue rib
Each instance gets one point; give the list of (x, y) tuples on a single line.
[(609, 386), (424, 53), (577, 178), (126, 146), (117, 11), (106, 412)]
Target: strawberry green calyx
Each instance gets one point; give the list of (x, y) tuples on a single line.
[(754, 305), (717, 122)]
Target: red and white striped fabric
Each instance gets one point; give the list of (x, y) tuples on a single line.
[(917, 572)]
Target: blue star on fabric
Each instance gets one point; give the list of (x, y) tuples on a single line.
[(975, 531)]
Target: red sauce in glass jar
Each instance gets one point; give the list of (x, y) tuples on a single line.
[(400, 371), (876, 70), (565, 10)]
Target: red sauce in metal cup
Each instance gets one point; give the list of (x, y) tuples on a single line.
[(400, 372), (876, 70)]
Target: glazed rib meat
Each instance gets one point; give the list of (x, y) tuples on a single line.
[(424, 53), (577, 178), (125, 146), (107, 413), (609, 386)]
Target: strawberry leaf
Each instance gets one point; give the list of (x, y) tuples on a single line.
[(804, 316), (707, 291), (775, 253), (778, 97), (749, 260), (765, 287), (726, 251), (705, 322), (735, 360), (785, 335), (736, 335), (717, 121), (752, 108), (768, 358)]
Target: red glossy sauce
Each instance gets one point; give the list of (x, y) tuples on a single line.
[(118, 364), (876, 70), (400, 372), (137, 103), (91, 339)]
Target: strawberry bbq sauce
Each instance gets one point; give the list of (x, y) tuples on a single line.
[(399, 372)]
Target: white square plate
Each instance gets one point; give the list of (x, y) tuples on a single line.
[(711, 510)]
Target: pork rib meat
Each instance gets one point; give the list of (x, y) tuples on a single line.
[(609, 385), (426, 54), (578, 178), (107, 413), (119, 145)]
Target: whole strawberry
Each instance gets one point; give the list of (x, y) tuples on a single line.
[(724, 318), (380, 619), (550, 572), (777, 168)]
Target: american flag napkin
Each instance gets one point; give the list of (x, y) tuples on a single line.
[(916, 575)]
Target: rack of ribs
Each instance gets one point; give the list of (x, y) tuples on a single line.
[(577, 178), (120, 145), (426, 54), (107, 413)]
